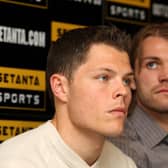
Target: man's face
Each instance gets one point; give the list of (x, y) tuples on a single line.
[(99, 94), (152, 76)]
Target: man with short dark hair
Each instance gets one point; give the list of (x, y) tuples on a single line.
[(90, 80)]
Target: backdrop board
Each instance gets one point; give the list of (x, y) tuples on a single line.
[(24, 43), (83, 12), (127, 14), (10, 128), (159, 11), (24, 35)]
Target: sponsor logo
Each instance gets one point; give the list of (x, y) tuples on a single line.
[(160, 10), (125, 13), (21, 36), (22, 89), (12, 128), (58, 28)]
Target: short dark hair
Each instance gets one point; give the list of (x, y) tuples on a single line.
[(70, 50), (150, 30)]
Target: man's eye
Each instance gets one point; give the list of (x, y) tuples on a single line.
[(151, 65), (127, 82), (130, 82), (103, 78)]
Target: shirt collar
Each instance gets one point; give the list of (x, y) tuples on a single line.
[(149, 131), (69, 157)]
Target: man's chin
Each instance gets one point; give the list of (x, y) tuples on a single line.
[(115, 133)]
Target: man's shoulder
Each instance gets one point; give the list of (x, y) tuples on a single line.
[(25, 142)]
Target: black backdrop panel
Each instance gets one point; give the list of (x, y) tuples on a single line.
[(27, 21), (159, 10), (127, 15), (24, 43), (76, 11)]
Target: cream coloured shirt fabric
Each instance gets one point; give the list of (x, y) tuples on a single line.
[(43, 147)]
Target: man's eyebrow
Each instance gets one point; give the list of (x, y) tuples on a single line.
[(150, 58), (108, 70), (131, 73)]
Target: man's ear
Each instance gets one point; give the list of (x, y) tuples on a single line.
[(59, 87)]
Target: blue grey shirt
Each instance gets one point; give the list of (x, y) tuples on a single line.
[(144, 141)]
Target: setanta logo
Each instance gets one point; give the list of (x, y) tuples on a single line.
[(12, 128), (22, 89), (25, 79), (138, 3), (58, 28), (43, 4), (21, 36)]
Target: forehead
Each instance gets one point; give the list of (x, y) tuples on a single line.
[(155, 47), (102, 55)]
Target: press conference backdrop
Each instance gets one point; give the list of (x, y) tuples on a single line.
[(26, 29)]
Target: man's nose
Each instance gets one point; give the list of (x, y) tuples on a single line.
[(163, 76), (121, 90)]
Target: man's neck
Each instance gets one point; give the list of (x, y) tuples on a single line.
[(86, 144)]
